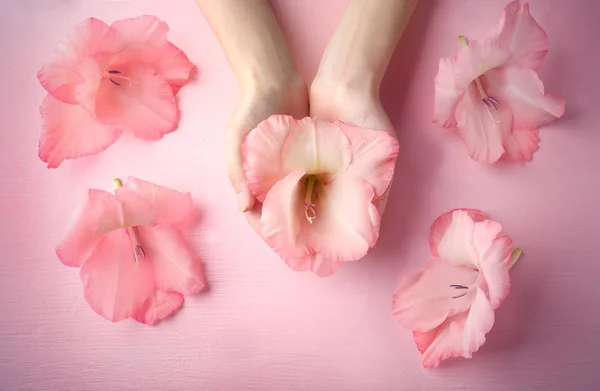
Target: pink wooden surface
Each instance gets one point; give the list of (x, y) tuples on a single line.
[(262, 326)]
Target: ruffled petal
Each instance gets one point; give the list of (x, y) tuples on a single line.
[(145, 29), (456, 246), (314, 262), (261, 153), (523, 91), (423, 301), (459, 336), (520, 144), (177, 268), (69, 132), (447, 94), (373, 156), (282, 220), (441, 224), (346, 226), (494, 249), (115, 287), (170, 207), (324, 267), (62, 76), (479, 322), (100, 214), (145, 104), (174, 66), (481, 127), (145, 40), (346, 223), (441, 343), (317, 147), (476, 59), (97, 216), (159, 306), (521, 35)]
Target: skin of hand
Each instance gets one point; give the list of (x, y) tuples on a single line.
[(347, 84), (255, 106), (270, 83)]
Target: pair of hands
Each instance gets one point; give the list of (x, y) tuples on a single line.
[(325, 100)]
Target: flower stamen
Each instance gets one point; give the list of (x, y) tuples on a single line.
[(461, 288), (310, 211), (117, 75), (138, 250), (489, 101)]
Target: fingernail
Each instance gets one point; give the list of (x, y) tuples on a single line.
[(242, 202)]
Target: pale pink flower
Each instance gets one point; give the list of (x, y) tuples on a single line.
[(490, 92), (135, 262), (317, 181), (450, 304), (106, 80)]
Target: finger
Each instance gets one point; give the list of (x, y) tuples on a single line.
[(253, 217), (237, 177), (381, 202)]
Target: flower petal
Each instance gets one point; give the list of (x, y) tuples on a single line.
[(346, 226), (145, 40), (423, 301), (447, 94), (441, 224), (456, 245), (323, 267), (476, 59), (170, 207), (521, 35), (145, 105), (520, 144), (97, 216), (318, 264), (346, 223), (479, 322), (373, 156), (69, 132), (177, 268), (159, 306), (482, 127), (494, 249), (174, 66), (458, 336), (281, 219), (441, 343), (115, 287), (317, 147), (523, 91), (142, 29), (261, 153), (61, 77)]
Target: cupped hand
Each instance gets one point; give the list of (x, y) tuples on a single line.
[(257, 104), (355, 105)]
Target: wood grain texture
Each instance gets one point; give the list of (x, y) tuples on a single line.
[(262, 326)]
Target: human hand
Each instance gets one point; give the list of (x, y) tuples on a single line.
[(259, 102), (357, 105)]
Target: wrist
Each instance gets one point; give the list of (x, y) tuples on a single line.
[(286, 82), (347, 85)]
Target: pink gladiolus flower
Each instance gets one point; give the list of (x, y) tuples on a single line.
[(317, 181), (135, 262), (490, 92), (450, 305), (107, 79)]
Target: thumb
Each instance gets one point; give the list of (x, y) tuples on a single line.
[(237, 176)]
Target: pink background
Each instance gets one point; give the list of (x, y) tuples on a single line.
[(262, 326)]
